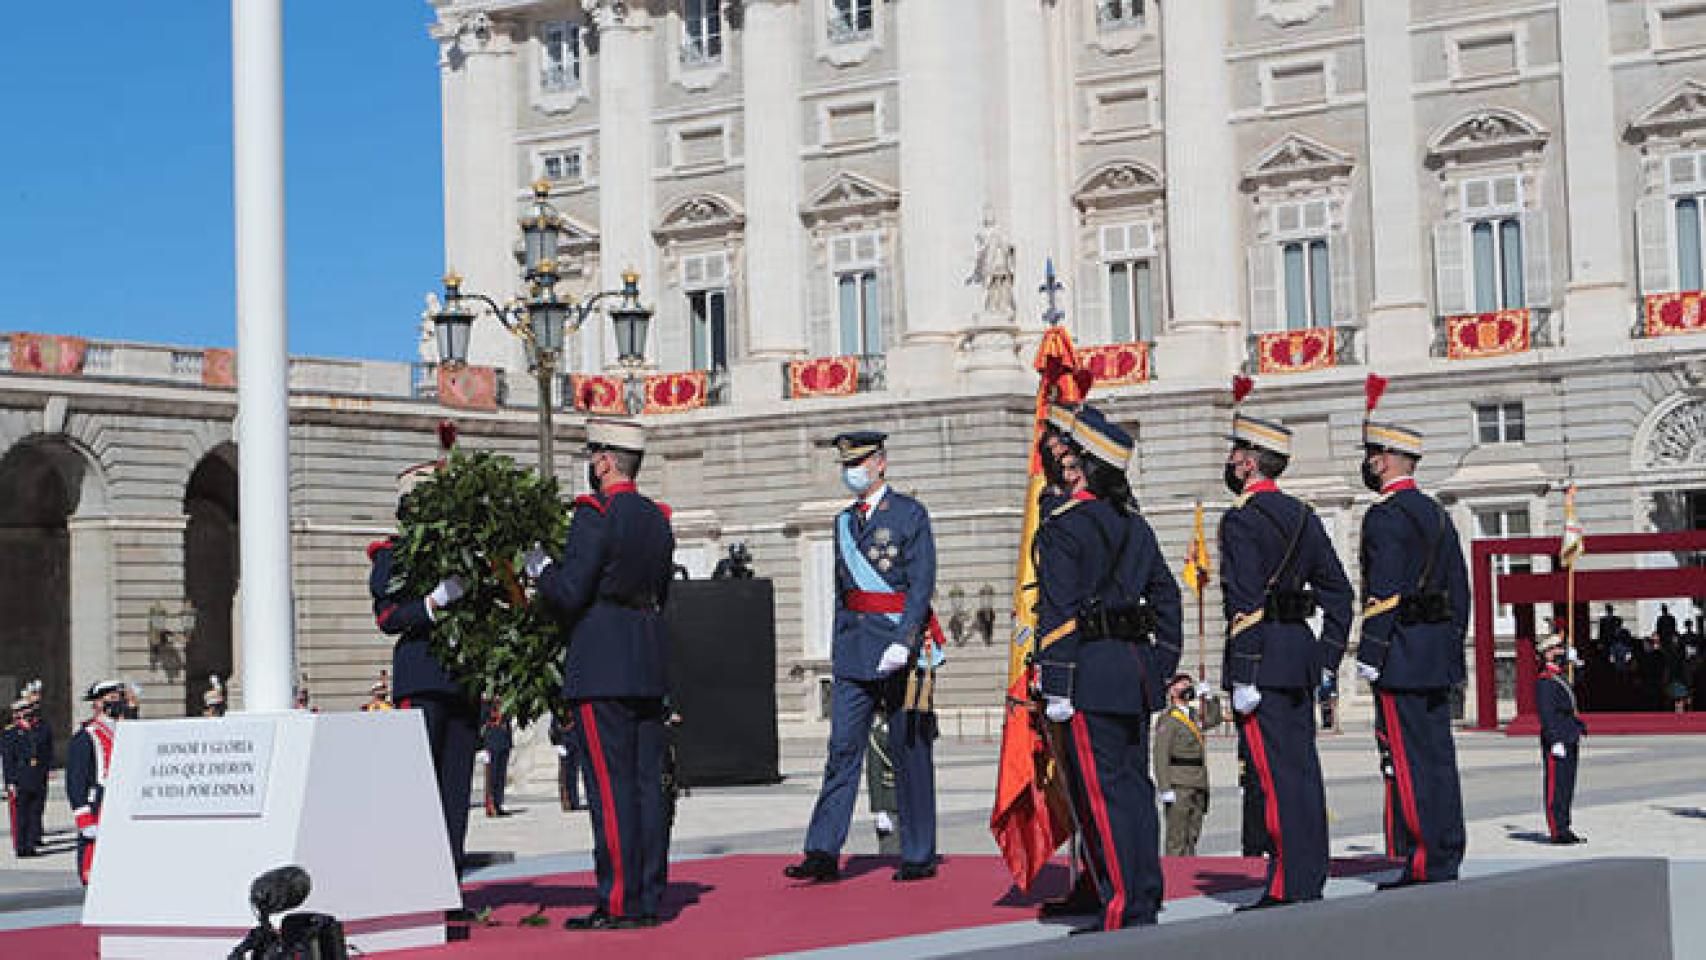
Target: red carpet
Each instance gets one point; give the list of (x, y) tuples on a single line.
[(1610, 723), (742, 906)]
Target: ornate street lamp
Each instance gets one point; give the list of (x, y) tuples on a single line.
[(543, 320)]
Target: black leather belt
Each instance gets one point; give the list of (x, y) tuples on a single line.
[(1185, 761)]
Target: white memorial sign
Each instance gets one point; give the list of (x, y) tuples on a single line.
[(204, 770)]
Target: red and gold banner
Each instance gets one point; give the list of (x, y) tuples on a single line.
[(823, 377), (675, 392), (1669, 313), (218, 368), (1117, 364), (48, 353), (596, 394), (1480, 335), (1296, 351), (468, 388), (1030, 819)]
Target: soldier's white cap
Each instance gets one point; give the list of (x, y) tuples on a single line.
[(607, 434), (1269, 435), (1391, 436), (100, 688), (21, 704), (1554, 642)]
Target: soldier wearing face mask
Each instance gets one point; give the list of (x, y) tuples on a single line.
[(1415, 615), (1278, 567), (88, 760), (886, 647)]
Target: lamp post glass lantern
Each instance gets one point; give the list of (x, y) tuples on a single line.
[(543, 321)]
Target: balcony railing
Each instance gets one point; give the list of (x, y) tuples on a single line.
[(834, 376), (1300, 351), (1500, 333)]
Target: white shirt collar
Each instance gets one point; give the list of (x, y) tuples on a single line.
[(870, 500)]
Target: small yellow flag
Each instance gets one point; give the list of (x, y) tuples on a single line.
[(1575, 542), (1196, 558)]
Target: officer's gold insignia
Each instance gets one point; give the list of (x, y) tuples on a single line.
[(874, 552), (883, 535), (884, 565)]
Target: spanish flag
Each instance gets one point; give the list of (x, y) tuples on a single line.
[(1196, 558), (1030, 820)]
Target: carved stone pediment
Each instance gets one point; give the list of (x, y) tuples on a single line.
[(1681, 110), (1298, 158), (849, 194), (1673, 436), (700, 215), (1486, 135), (1290, 13), (1119, 183)]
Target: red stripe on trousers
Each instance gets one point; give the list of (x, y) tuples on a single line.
[(1551, 786), (1270, 800), (612, 836), (1099, 810), (1406, 787), (86, 862)]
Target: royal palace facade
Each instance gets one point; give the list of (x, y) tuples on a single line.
[(840, 211)]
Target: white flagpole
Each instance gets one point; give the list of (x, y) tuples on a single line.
[(263, 398)]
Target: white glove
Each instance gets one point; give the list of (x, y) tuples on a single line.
[(447, 592), (1169, 797), (1059, 709), (1575, 657), (885, 823), (1371, 674), (536, 562), (482, 757), (88, 832), (893, 659), (1559, 751), (1245, 697), (562, 751), (1204, 691)]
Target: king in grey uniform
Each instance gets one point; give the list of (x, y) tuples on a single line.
[(885, 651)]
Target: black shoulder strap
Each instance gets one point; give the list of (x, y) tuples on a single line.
[(1433, 542), (1296, 538), (1113, 572)]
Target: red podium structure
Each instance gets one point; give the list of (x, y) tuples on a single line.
[(1523, 591)]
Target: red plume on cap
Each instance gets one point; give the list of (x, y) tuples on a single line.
[(1241, 387), (1372, 388), (446, 434)]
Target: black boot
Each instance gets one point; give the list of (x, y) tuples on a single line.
[(818, 867)]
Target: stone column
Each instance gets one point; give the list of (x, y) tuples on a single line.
[(625, 158), (941, 64), (775, 238), (1025, 170), (1205, 336), (1400, 326), (1596, 302), (93, 650), (478, 74)]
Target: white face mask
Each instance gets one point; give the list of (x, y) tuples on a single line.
[(858, 478)]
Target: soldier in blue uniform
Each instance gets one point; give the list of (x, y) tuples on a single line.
[(609, 591), (27, 750), (1277, 568), (88, 758), (498, 740), (884, 655), (1415, 614), (1108, 613), (1561, 731), (420, 682)]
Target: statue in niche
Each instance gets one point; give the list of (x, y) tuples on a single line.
[(996, 261)]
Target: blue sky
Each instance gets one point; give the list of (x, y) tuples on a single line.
[(115, 173)]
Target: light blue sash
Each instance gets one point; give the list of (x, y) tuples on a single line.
[(870, 581)]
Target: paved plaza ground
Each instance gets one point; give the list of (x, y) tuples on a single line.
[(1637, 796)]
